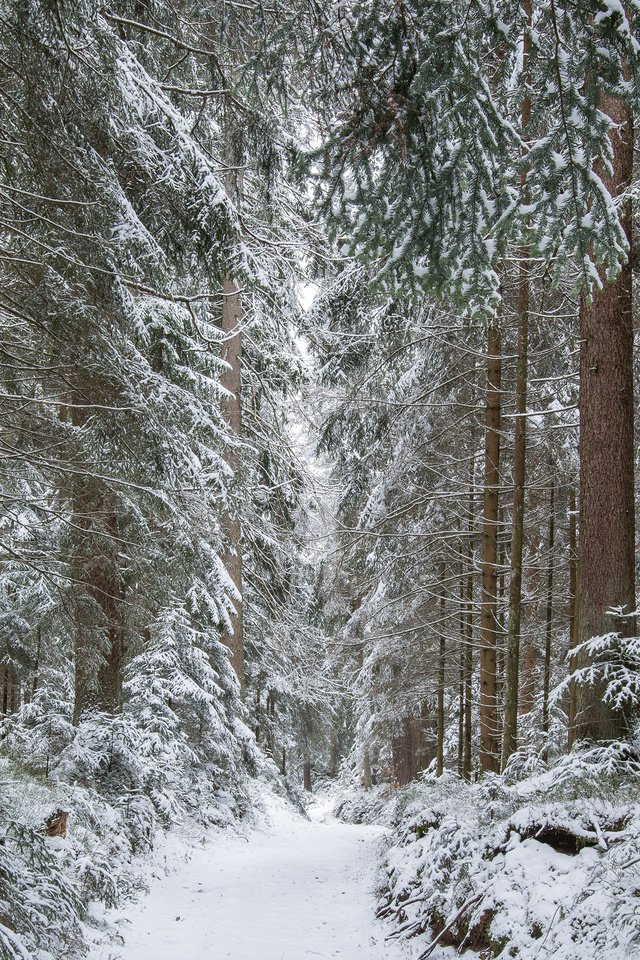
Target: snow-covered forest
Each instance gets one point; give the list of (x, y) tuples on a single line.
[(318, 479)]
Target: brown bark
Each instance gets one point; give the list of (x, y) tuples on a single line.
[(98, 592), (306, 775), (441, 675), (231, 380), (512, 664), (500, 611), (258, 709), (366, 770), (412, 751), (607, 509), (6, 690), (549, 615), (468, 619), (489, 722), (400, 756), (461, 670), (36, 669), (512, 659), (16, 696), (333, 753), (468, 688), (425, 739), (99, 631), (530, 659), (573, 615)]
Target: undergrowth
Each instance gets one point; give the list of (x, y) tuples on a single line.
[(540, 862)]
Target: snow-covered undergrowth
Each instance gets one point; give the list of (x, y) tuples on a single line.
[(377, 805), (116, 792), (544, 865)]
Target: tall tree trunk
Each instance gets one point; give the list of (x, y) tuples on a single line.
[(607, 509), (99, 596), (441, 675), (427, 738), (461, 670), (549, 616), (468, 687), (306, 774), (468, 617), (512, 671), (410, 751), (333, 753), (16, 696), (98, 592), (366, 770), (400, 757), (36, 669), (573, 614), (99, 663), (359, 635), (500, 611), (510, 732), (489, 723), (258, 709), (231, 381)]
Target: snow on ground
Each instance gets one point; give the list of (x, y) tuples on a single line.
[(291, 889)]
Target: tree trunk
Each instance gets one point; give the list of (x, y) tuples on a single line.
[(36, 669), (510, 732), (333, 753), (607, 509), (6, 684), (468, 647), (16, 696), (98, 590), (573, 615), (529, 676), (500, 610), (548, 618), (258, 709), (99, 628), (468, 689), (307, 774), (410, 751), (461, 670), (366, 770), (489, 724), (231, 381), (441, 675), (401, 752)]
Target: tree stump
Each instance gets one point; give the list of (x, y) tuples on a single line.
[(56, 824)]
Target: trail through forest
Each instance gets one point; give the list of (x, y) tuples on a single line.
[(291, 889)]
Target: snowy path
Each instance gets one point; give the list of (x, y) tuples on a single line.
[(292, 890)]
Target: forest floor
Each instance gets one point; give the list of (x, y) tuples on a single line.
[(290, 889)]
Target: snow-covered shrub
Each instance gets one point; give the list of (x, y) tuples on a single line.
[(175, 751), (532, 867), (47, 881), (40, 899), (353, 805)]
